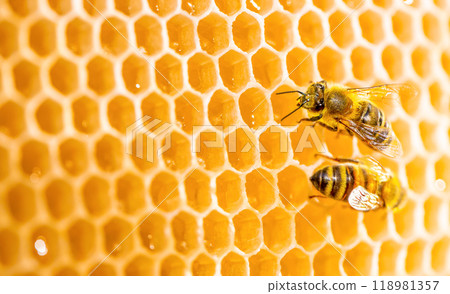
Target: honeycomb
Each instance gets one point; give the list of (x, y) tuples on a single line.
[(74, 75)]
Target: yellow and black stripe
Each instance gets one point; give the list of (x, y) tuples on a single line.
[(335, 181)]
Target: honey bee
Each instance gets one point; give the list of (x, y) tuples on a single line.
[(364, 183), (355, 111)]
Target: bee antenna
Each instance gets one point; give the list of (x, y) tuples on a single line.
[(301, 105), (287, 92)]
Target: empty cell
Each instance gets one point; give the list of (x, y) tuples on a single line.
[(440, 255), (267, 68), (311, 226), (402, 26), (164, 191), (246, 32), (60, 6), (421, 61), (59, 197), (35, 158), (100, 75), (415, 172), (292, 6), (229, 191), (358, 260), (437, 97), (341, 28), (248, 231), (445, 61), (21, 202), (278, 30), (295, 263), (405, 219), (82, 239), (12, 121), (440, 3), (189, 111), (114, 36), (173, 266), (431, 27), (387, 258), (135, 74), (278, 226), (371, 24), (117, 240), (376, 224), (66, 271), (330, 64), (180, 30), (178, 153), (130, 192), (263, 264), (153, 233), (64, 76), (4, 163), (141, 265), (292, 196), (326, 261), (23, 7), (185, 231), (217, 233), (143, 151), (85, 115), (156, 107), (128, 7), (203, 265), (102, 269), (300, 66), (9, 247), (96, 196), (195, 7), (432, 214), (109, 153), (259, 187), (202, 73), (148, 33), (49, 116), (94, 7), (362, 63), (340, 145), (73, 157), (121, 113), (234, 70), (44, 244), (210, 149), (402, 130), (222, 109), (259, 6), (233, 265), (324, 4), (442, 170), (344, 224), (392, 61), (241, 149), (8, 39), (383, 3), (283, 104), (213, 33), (163, 7), (42, 37), (255, 108), (429, 135), (414, 261), (26, 78), (276, 147), (169, 75), (198, 190), (310, 29), (229, 7)]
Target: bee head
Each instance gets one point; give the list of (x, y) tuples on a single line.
[(315, 96)]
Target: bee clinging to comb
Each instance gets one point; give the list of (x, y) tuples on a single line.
[(355, 111)]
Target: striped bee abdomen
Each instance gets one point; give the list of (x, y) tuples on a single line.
[(335, 181)]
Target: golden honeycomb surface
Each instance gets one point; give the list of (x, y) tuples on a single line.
[(74, 75)]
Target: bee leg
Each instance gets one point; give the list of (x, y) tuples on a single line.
[(340, 160), (326, 126), (314, 118), (316, 196)]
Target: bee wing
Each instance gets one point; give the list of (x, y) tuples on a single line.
[(368, 134), (384, 95), (362, 200), (383, 174)]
